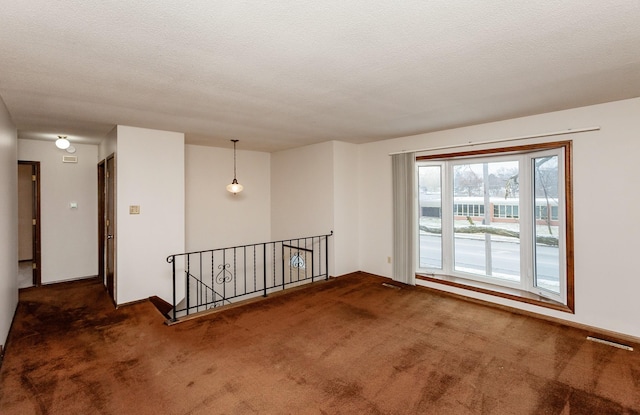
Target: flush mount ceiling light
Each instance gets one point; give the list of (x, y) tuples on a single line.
[(62, 143), (234, 187)]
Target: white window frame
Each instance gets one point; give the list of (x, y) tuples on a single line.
[(527, 218)]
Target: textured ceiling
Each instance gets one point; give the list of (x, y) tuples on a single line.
[(282, 74)]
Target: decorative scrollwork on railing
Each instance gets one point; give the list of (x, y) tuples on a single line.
[(224, 275), (297, 261)]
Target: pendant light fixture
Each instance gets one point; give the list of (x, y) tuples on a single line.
[(234, 187), (62, 143)]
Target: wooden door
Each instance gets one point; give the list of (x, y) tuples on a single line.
[(110, 228), (102, 189)]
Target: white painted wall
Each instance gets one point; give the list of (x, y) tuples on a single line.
[(605, 171), (346, 208), (8, 221), (302, 191), (216, 218), (109, 144), (69, 236), (312, 193), (375, 202), (150, 173)]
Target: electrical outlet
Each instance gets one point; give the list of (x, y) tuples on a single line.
[(388, 260), (134, 210)]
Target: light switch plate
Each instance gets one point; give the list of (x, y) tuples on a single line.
[(134, 209)]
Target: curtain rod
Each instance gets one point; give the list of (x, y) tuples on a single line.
[(524, 137)]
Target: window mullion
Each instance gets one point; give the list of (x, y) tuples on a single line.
[(526, 223), (447, 218)]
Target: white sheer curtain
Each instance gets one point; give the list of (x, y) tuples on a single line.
[(404, 220)]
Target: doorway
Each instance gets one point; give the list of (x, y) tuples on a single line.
[(29, 254)]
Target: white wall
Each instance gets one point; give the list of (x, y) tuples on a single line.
[(604, 174), (216, 218), (8, 221), (69, 236), (150, 174), (302, 191), (346, 207), (313, 192), (109, 144), (374, 197)]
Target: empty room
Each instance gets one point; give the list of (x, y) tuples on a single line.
[(293, 207)]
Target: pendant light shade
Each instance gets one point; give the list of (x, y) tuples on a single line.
[(62, 143), (234, 187)]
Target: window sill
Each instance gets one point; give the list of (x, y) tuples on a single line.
[(497, 291)]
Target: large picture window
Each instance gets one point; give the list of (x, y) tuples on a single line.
[(499, 221)]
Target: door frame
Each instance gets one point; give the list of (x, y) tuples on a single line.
[(36, 229), (101, 220), (109, 228)]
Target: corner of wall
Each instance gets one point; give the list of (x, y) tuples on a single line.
[(302, 191), (8, 221), (109, 144), (346, 240)]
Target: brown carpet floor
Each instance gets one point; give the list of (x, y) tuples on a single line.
[(348, 346)]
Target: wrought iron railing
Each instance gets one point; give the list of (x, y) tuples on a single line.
[(207, 279)]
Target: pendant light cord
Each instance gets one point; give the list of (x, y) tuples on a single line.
[(234, 159)]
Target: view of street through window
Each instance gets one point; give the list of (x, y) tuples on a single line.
[(486, 215)]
